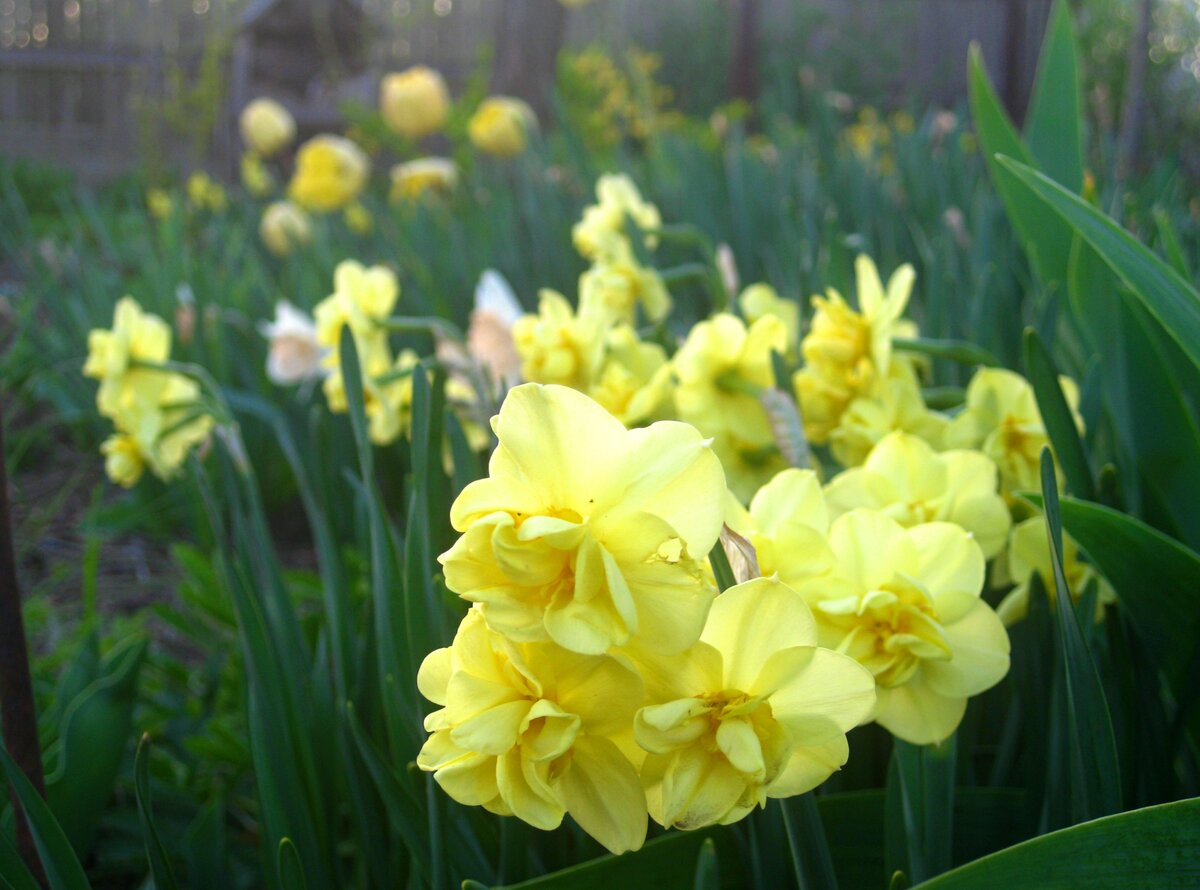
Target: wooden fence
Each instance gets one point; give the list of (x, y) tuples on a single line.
[(83, 82)]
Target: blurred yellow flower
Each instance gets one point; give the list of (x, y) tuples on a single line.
[(1002, 419), (558, 346), (358, 219), (526, 730), (256, 178), (361, 298), (204, 193), (123, 460), (159, 203), (617, 197), (267, 127), (617, 284), (415, 102), (848, 353), (330, 173), (501, 126), (284, 227), (756, 710), (634, 380), (136, 337), (759, 300), (906, 604), (586, 533), (1029, 553), (413, 179), (906, 480), (896, 404)]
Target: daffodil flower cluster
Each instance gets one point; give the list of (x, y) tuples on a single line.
[(598, 674), (156, 412)]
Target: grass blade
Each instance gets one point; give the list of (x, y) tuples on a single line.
[(160, 863), (63, 871), (1056, 414)]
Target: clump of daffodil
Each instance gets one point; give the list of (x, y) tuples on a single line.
[(501, 126), (267, 127), (633, 382), (755, 710), (586, 533), (558, 346), (617, 284), (415, 102), (413, 179), (1001, 418), (527, 729), (1029, 554), (905, 603), (906, 480), (284, 227), (722, 369), (896, 404), (848, 353), (617, 197), (331, 172), (156, 412), (205, 193)]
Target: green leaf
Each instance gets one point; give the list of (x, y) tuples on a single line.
[(1095, 777), (962, 351), (1045, 238), (1057, 417), (924, 781), (721, 568), (1054, 123), (160, 863), (1159, 288), (811, 860), (13, 867), (63, 871), (1156, 846), (291, 871), (708, 876), (1170, 243)]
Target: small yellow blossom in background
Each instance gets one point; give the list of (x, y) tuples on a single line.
[(293, 353), (586, 533), (362, 297), (558, 346), (617, 197), (906, 480), (617, 284), (159, 203), (906, 604), (284, 227), (1029, 553), (267, 127), (204, 193), (527, 730), (871, 141), (358, 219), (501, 126), (755, 710), (1001, 419), (897, 404), (848, 353), (331, 172), (634, 380), (759, 300), (415, 102), (155, 411), (413, 179), (256, 178)]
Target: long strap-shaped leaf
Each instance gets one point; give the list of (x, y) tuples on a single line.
[(160, 863), (63, 871)]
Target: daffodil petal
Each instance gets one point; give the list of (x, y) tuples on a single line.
[(602, 792)]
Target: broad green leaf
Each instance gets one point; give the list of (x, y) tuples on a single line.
[(811, 861), (962, 351), (1163, 292), (160, 862), (1095, 778), (63, 871), (1152, 847), (1057, 417), (1045, 239), (1054, 122)]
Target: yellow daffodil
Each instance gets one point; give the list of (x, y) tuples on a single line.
[(361, 298), (905, 479), (501, 126), (123, 460), (749, 462), (331, 171), (847, 353), (895, 405), (526, 730), (413, 179), (617, 284), (755, 710), (205, 193), (284, 227), (256, 178), (1029, 553), (267, 127), (159, 203), (906, 604), (759, 300), (585, 532), (558, 346), (113, 355), (414, 103), (358, 219), (617, 197), (1001, 419), (634, 380)]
